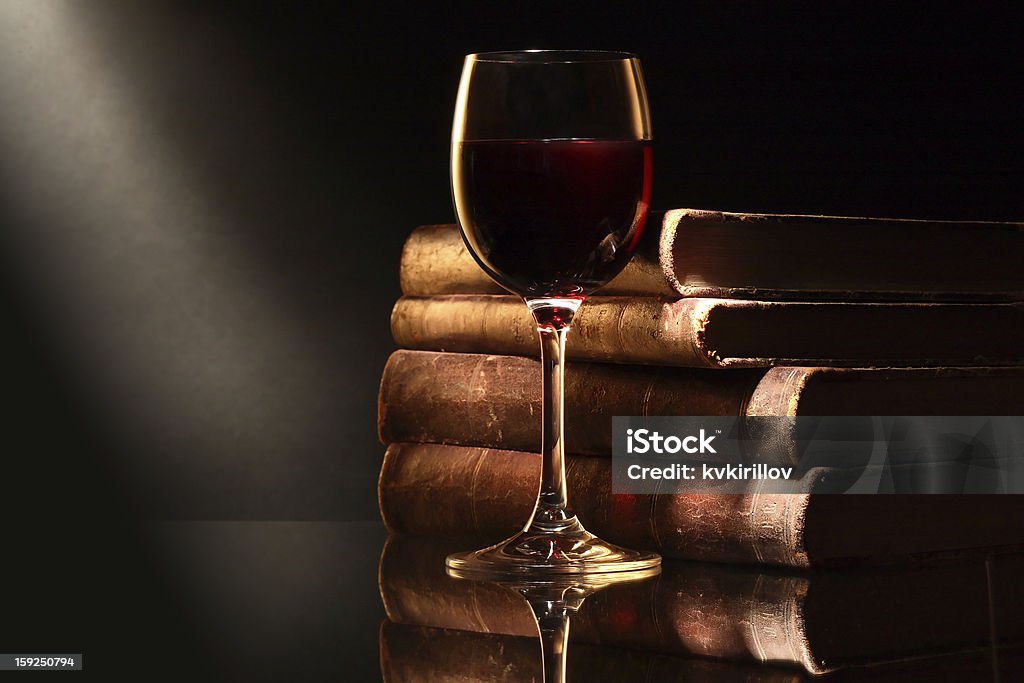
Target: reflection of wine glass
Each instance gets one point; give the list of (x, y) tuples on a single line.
[(551, 177), (554, 599)]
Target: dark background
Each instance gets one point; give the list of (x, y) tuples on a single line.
[(202, 206)]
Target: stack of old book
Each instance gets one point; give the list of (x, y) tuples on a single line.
[(718, 314)]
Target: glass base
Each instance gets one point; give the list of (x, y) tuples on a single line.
[(565, 549)]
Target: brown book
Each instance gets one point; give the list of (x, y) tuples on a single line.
[(725, 333), (820, 621), (410, 654), (495, 401), (432, 489), (435, 261), (758, 256)]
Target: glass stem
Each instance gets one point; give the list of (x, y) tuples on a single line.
[(553, 317), (554, 636)]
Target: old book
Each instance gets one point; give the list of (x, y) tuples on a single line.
[(433, 489), (494, 401), (725, 333), (435, 261), (820, 621), (738, 255), (413, 654)]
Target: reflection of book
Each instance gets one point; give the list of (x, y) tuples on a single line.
[(494, 401), (725, 333), (716, 254), (443, 489), (411, 654), (819, 621)]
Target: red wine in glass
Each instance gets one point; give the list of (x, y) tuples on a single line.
[(552, 218)]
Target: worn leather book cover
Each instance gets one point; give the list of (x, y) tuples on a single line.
[(725, 333), (495, 401), (434, 489), (765, 256), (819, 621)]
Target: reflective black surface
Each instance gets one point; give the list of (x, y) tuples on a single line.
[(952, 620), (341, 601)]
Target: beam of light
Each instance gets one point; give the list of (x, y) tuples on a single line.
[(138, 272)]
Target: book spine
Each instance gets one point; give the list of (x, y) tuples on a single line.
[(435, 262), (779, 392), (619, 330), (492, 493), (495, 401)]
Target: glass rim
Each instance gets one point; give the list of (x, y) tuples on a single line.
[(551, 56)]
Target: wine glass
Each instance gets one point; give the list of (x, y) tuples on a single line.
[(551, 179)]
